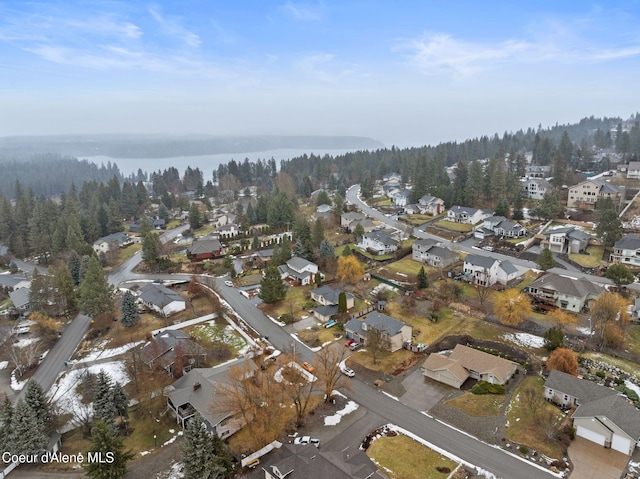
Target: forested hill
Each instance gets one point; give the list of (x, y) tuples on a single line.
[(49, 174), (166, 146)]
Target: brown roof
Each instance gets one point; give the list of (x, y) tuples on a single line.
[(481, 362), (439, 362)]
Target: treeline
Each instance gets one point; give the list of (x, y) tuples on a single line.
[(50, 174)]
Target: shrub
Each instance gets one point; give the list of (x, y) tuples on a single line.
[(483, 387), (600, 374), (286, 318), (523, 449)]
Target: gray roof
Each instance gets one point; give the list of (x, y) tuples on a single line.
[(119, 237), (579, 235), (11, 280), (264, 253), (20, 297), (330, 294), (382, 237), (376, 320), (297, 263), (463, 209), (541, 182), (285, 270), (352, 215), (628, 241), (441, 252), (159, 295), (508, 267), (328, 310), (596, 400), (202, 246), (578, 288), (182, 391), (423, 243), (480, 260), (162, 347)]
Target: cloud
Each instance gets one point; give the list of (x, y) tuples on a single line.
[(303, 12), (173, 27)]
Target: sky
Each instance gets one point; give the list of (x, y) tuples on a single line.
[(404, 72)]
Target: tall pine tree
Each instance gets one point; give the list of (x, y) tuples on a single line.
[(106, 443), (95, 291), (130, 315), (202, 456)]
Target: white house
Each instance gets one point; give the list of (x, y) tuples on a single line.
[(161, 299), (633, 170), (380, 242), (536, 188), (626, 251), (487, 271), (229, 230), (466, 215), (565, 292), (501, 227), (566, 239), (299, 270), (430, 205), (401, 198), (115, 240)]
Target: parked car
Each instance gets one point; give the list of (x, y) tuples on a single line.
[(348, 343), (353, 346), (307, 366), (331, 322), (347, 371), (228, 283), (307, 440)]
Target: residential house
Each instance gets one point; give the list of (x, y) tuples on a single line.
[(430, 252), (328, 295), (20, 297), (394, 332), (367, 225), (499, 226), (602, 416), (412, 209), (633, 170), (204, 248), (379, 242), (393, 177), (585, 195), (347, 218), (537, 171), (298, 460), (536, 188), (197, 390), (299, 270), (115, 241), (430, 205), (223, 219), (264, 255), (565, 292), (466, 215), (401, 198), (162, 300), (156, 224), (566, 239), (174, 351), (230, 230), (626, 251), (322, 211), (487, 271), (464, 363)]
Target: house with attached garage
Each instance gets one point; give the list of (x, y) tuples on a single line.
[(487, 271), (430, 205), (565, 292), (466, 215), (162, 300), (464, 363), (394, 333), (602, 416), (499, 226), (298, 270), (430, 252), (112, 241), (626, 251), (205, 248), (585, 195), (174, 351), (328, 295), (566, 239), (379, 242)]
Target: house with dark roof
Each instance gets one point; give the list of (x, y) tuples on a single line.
[(565, 292), (156, 224), (585, 195), (466, 215), (174, 351), (161, 299), (627, 251), (347, 218), (114, 240), (379, 242), (328, 295), (204, 248), (499, 226), (393, 331), (432, 253), (537, 171), (487, 271), (464, 363), (20, 297), (566, 239), (197, 390), (431, 205), (602, 416), (298, 270), (307, 461)]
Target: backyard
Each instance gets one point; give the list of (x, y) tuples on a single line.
[(591, 259)]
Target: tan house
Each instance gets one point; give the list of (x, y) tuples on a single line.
[(464, 363), (585, 195)]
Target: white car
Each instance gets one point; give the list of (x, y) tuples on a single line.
[(347, 371), (228, 283), (307, 440)]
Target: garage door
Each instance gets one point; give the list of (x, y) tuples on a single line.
[(590, 435), (621, 444)]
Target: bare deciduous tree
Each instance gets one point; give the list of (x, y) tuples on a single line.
[(327, 365), (533, 400)]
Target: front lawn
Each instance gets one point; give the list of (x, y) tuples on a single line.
[(404, 458), (416, 220), (293, 303), (452, 226), (632, 338), (126, 253), (386, 362), (478, 405), (528, 429), (589, 260)]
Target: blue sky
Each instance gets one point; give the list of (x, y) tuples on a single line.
[(405, 72)]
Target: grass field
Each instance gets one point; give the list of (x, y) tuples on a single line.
[(126, 253), (632, 338), (452, 226), (292, 304), (527, 429), (401, 457), (416, 220), (589, 260), (478, 405)]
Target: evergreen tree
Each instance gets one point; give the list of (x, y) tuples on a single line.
[(105, 442), (255, 244), (609, 227), (6, 419), (358, 232), (367, 185), (347, 251), (195, 220), (545, 260), (553, 339), (65, 285), (130, 315), (95, 291), (473, 189), (120, 400), (272, 287), (28, 434), (342, 302), (517, 213), (198, 452), (145, 226), (327, 250), (282, 253), (317, 235), (620, 275), (317, 279), (37, 401), (151, 248), (104, 408), (423, 281)]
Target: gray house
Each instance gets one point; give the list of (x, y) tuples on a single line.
[(566, 239), (568, 293), (394, 331), (431, 252)]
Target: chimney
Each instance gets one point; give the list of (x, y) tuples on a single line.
[(196, 386)]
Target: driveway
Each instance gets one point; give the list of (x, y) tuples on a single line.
[(591, 461), (422, 395)]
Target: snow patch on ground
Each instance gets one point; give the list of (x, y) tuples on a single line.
[(15, 384), (176, 471), (585, 330), (525, 339), (99, 353), (26, 342), (632, 386), (4, 364), (337, 417)]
